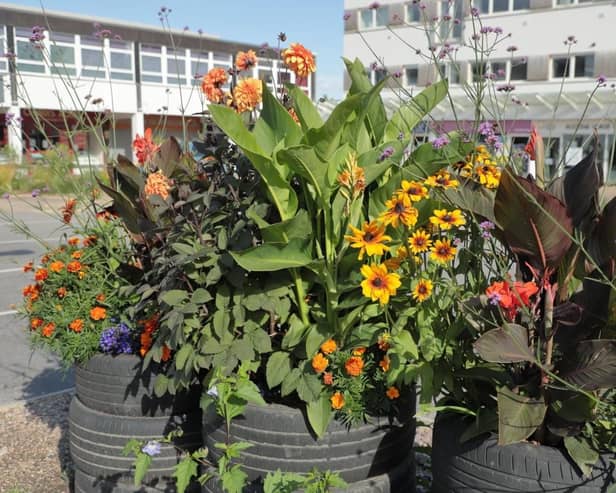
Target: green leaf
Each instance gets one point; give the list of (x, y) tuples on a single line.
[(319, 414), (272, 257), (280, 191), (535, 224), (308, 115), (160, 385), (182, 355), (290, 382), (299, 227), (304, 161), (406, 118), (518, 416), (250, 392), (201, 296), (142, 464), (582, 453), (602, 239), (309, 387), (295, 334), (184, 472), (506, 344), (234, 480), (261, 342), (220, 322), (278, 367), (279, 482), (174, 297), (592, 365), (127, 210), (405, 345)]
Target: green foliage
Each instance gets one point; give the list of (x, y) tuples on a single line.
[(312, 482)]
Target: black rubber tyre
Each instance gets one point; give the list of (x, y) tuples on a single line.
[(97, 439), (380, 451), (119, 385), (481, 466)]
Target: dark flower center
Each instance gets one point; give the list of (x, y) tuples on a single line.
[(368, 236), (377, 282)]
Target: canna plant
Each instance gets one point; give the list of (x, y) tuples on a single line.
[(549, 363)]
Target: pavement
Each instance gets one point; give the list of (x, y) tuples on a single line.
[(25, 374)]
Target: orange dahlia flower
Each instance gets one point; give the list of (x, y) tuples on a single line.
[(299, 59), (245, 60), (41, 275), (144, 147), (247, 94), (212, 83)]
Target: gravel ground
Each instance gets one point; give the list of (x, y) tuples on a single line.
[(34, 452)]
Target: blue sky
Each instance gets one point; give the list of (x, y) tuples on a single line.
[(317, 24)]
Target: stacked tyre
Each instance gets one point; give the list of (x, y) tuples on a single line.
[(115, 402)]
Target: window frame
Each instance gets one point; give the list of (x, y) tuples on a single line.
[(571, 66), (127, 50), (22, 63), (374, 16), (491, 11)]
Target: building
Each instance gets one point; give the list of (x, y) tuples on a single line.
[(72, 73), (553, 43)]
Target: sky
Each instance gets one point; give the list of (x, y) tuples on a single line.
[(317, 24)]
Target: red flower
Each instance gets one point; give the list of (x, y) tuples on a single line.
[(530, 148), (509, 299), (144, 147)]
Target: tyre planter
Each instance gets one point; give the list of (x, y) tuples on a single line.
[(115, 402), (481, 465), (371, 458)]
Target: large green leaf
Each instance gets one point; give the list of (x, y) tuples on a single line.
[(406, 118), (299, 226), (582, 453), (319, 414), (271, 257), (275, 124), (473, 197), (506, 344), (304, 161), (592, 365), (308, 115), (535, 224), (518, 416), (278, 367), (280, 191), (370, 116)]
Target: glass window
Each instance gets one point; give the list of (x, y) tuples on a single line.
[(379, 75), (285, 77), (98, 74), (411, 74), (120, 45), (176, 80), (150, 63), (453, 73), (584, 66), (62, 70), (151, 78), (479, 70), (122, 75), (222, 57), (150, 49), (91, 41), (382, 16), (413, 13), (31, 67), (266, 76), (63, 55), (365, 18), (521, 4), (519, 69), (121, 60), (62, 37), (27, 51), (198, 67), (500, 5), (564, 2), (482, 5), (499, 69), (176, 66), (560, 67), (92, 57)]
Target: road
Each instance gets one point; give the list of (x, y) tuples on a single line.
[(25, 373)]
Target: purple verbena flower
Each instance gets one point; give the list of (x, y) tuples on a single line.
[(440, 141), (601, 80), (387, 153), (151, 448), (505, 88), (346, 16), (486, 128), (36, 192), (475, 12), (374, 5), (494, 299)]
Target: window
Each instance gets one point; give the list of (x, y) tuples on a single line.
[(450, 71), (478, 70), (519, 69), (413, 12), (571, 2), (3, 65), (29, 56), (497, 6), (499, 70), (121, 60), (577, 66), (374, 17), (176, 66), (455, 10), (199, 66), (151, 64), (411, 74), (379, 75)]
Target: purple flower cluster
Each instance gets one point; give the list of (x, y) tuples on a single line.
[(505, 87), (117, 340), (494, 299), (387, 153), (488, 131), (11, 118), (486, 227), (440, 141), (38, 34)]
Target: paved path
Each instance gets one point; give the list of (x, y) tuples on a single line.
[(25, 373)]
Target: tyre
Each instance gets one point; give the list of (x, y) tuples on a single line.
[(481, 465), (120, 385), (375, 457), (97, 439)]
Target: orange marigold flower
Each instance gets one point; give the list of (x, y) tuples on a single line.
[(245, 60), (212, 83), (31, 291), (76, 254), (98, 313), (299, 59), (146, 343), (247, 94), (76, 325), (73, 241), (392, 393), (56, 266), (328, 378), (48, 329), (40, 275), (383, 341), (319, 363), (145, 148), (384, 363), (28, 267), (101, 297), (354, 366), (157, 184), (337, 400), (61, 292), (150, 324), (89, 241), (74, 266), (35, 323), (45, 259), (359, 351), (329, 346), (166, 354), (68, 210)]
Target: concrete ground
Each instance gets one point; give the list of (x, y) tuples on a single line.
[(25, 373)]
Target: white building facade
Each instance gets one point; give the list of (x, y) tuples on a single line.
[(116, 76), (545, 57)]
